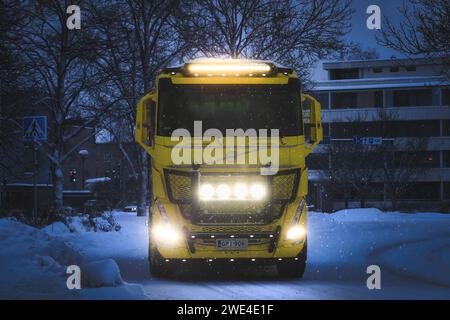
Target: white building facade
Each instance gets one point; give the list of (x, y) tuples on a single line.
[(416, 92)]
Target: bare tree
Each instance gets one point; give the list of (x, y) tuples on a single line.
[(13, 97), (354, 51), (295, 33), (354, 168), (60, 66), (137, 43), (399, 159), (424, 30), (400, 166)]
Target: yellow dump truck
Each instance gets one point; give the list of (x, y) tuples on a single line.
[(214, 199)]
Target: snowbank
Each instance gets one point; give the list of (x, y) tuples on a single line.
[(415, 246), (34, 264), (56, 228), (102, 273)]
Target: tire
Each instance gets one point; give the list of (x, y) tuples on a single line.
[(294, 268), (158, 267)]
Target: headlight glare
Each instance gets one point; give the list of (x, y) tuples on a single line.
[(257, 191), (296, 233), (166, 234), (232, 190), (240, 191), (223, 192), (206, 192)]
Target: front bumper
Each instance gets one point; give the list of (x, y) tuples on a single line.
[(265, 241), (260, 246)]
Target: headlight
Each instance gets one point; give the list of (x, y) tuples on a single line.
[(296, 233), (166, 234), (257, 191), (223, 192), (239, 191), (206, 192)]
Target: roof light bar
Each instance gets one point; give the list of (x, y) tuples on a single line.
[(227, 68)]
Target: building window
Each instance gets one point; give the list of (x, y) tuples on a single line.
[(446, 129), (412, 98), (107, 157), (357, 99), (326, 129), (446, 156), (317, 161), (340, 74), (446, 190), (446, 97), (377, 70), (422, 159), (410, 68), (345, 130), (393, 69), (422, 191), (322, 97), (418, 128)]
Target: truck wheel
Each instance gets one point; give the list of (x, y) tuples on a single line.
[(158, 267), (294, 268)]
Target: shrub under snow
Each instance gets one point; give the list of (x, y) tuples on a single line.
[(105, 222)]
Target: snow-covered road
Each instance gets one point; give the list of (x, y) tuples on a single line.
[(412, 250)]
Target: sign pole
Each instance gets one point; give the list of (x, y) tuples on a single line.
[(35, 167), (34, 130)]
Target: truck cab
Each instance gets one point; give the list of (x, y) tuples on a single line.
[(228, 140)]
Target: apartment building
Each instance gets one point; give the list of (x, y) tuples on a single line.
[(415, 92)]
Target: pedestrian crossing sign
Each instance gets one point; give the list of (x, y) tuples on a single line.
[(35, 128)]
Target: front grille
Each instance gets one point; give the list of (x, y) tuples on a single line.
[(284, 186), (181, 185), (230, 229)]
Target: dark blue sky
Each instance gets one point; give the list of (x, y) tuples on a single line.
[(360, 33)]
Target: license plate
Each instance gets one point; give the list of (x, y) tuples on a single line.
[(231, 244)]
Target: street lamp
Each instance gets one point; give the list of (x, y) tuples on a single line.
[(83, 154)]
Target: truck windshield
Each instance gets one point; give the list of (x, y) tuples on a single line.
[(229, 107)]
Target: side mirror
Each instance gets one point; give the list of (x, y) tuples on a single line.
[(315, 122), (145, 120)]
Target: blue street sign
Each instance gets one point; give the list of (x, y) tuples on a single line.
[(372, 140), (357, 140), (35, 128)]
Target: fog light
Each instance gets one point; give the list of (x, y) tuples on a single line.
[(296, 233), (206, 192), (240, 191), (166, 234), (223, 192), (257, 191)]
